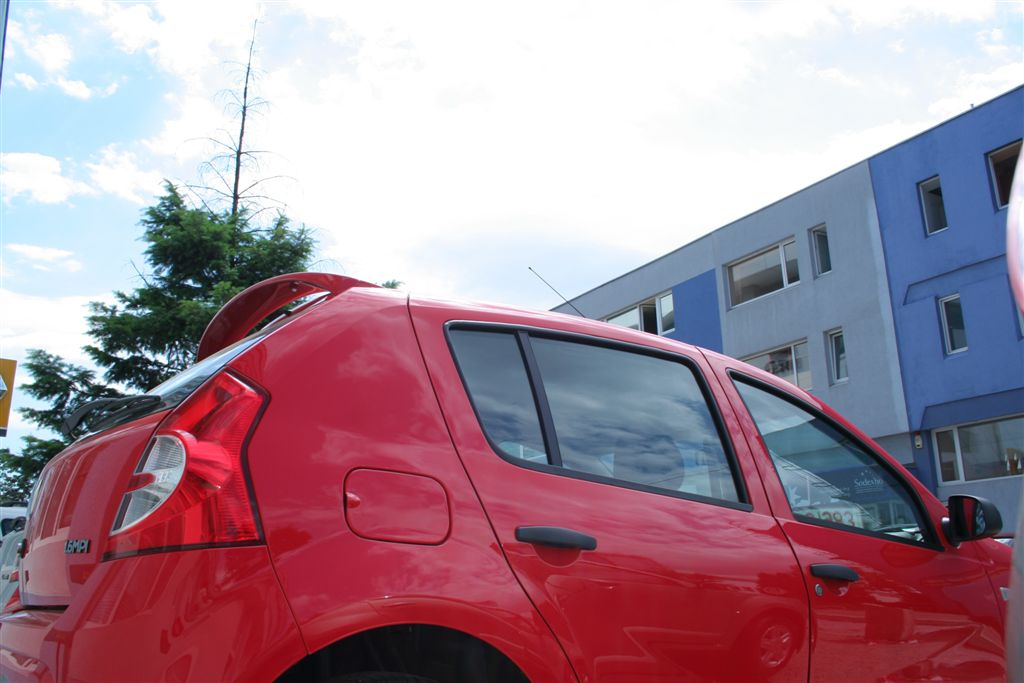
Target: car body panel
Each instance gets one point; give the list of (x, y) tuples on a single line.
[(669, 594), (925, 612), (201, 615), (362, 397)]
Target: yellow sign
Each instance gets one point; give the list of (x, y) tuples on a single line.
[(7, 369)]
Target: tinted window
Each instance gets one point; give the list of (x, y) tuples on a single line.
[(492, 368), (634, 418), (828, 476)]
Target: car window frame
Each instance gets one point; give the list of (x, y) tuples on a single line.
[(522, 334), (932, 540)]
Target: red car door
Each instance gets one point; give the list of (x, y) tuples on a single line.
[(638, 528), (890, 598)]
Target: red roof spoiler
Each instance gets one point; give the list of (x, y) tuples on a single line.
[(237, 317)]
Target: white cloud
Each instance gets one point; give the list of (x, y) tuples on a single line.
[(37, 175), (54, 324), (51, 51), (970, 89), (76, 89), (26, 81), (119, 174), (47, 259)]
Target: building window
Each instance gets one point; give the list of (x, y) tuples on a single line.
[(656, 315), (932, 206), (1001, 164), (953, 331), (822, 255), (837, 357), (788, 362), (984, 450), (763, 273)]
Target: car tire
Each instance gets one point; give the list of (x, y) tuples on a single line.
[(381, 677)]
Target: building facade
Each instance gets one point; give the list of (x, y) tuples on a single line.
[(883, 290)]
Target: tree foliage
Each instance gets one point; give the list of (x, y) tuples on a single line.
[(197, 260)]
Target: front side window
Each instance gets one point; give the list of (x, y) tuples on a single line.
[(656, 315), (615, 415), (953, 330), (827, 475), (789, 363), (763, 273), (932, 205), (985, 450), (1001, 164)]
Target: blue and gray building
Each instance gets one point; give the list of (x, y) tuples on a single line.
[(883, 290)]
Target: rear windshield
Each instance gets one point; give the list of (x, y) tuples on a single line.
[(178, 388)]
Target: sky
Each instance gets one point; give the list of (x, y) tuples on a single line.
[(454, 145)]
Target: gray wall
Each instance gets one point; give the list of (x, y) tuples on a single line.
[(853, 296)]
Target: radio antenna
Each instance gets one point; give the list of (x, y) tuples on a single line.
[(556, 291)]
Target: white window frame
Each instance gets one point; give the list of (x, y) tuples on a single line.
[(961, 473), (833, 361), (924, 208), (792, 359), (814, 232), (657, 301), (780, 247), (947, 342), (992, 170)]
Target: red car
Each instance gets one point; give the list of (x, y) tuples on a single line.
[(381, 488)]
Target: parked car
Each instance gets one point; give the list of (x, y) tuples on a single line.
[(12, 515), (9, 564), (391, 489)]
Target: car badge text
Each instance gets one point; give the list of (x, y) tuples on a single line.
[(76, 545)]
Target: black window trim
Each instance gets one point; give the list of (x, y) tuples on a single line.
[(523, 333), (932, 539)]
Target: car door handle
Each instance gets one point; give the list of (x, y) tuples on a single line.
[(555, 537), (834, 571)]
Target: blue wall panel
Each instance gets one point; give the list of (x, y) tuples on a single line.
[(698, 320), (968, 259)]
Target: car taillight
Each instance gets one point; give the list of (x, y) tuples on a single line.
[(189, 488)]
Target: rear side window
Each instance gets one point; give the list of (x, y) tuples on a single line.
[(827, 475), (492, 368), (611, 414)]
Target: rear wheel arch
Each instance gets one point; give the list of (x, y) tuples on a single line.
[(435, 653)]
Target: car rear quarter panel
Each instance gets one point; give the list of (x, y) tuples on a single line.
[(349, 390)]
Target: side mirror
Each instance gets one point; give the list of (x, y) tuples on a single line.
[(971, 518)]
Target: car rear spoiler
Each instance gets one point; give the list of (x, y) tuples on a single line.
[(237, 317)]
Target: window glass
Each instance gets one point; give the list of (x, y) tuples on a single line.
[(633, 417), (948, 464), (668, 316), (931, 203), (790, 363), (837, 353), (630, 319), (495, 376), (755, 277), (823, 257), (1003, 162), (649, 317), (953, 322), (792, 271), (992, 449), (828, 476)]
